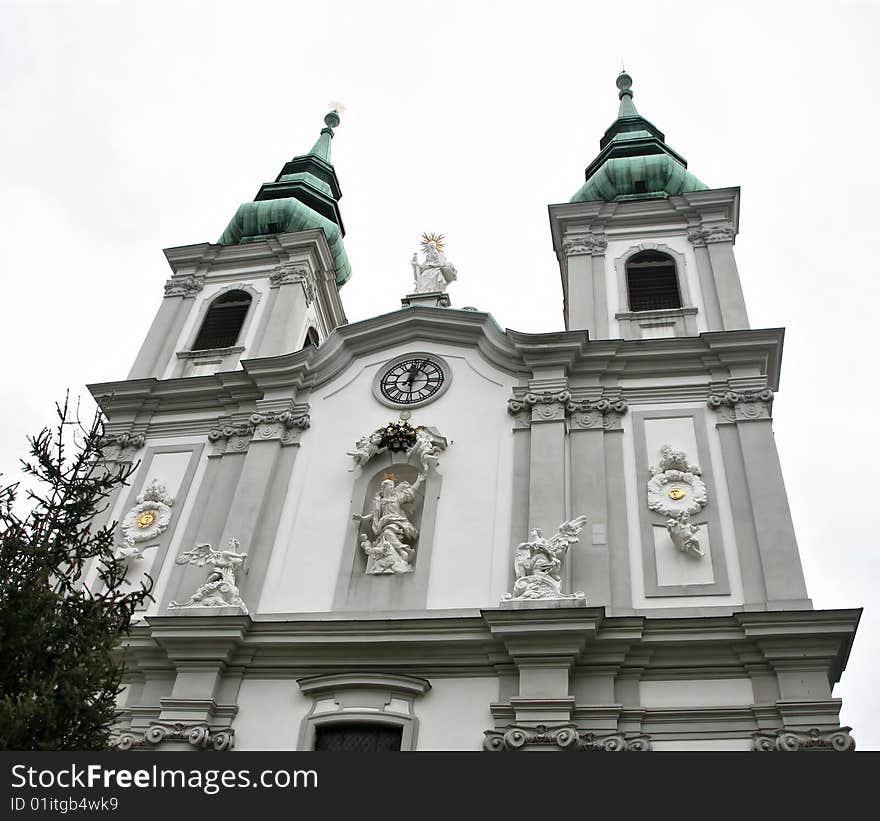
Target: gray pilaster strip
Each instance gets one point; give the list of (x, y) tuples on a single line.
[(730, 295), (589, 561), (161, 339), (547, 475), (709, 291), (754, 592), (599, 328), (618, 532), (783, 576)]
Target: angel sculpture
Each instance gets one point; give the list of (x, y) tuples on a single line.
[(424, 450), (131, 551), (538, 563), (684, 534), (219, 588), (365, 449)]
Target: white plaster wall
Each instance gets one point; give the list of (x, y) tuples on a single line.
[(618, 247), (636, 494), (207, 294), (472, 529), (717, 692), (704, 745), (270, 712), (454, 713)]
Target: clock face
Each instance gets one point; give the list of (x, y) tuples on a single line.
[(412, 380)]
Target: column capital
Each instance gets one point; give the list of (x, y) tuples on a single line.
[(582, 244), (185, 286), (707, 234), (742, 406)]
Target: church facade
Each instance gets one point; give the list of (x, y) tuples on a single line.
[(425, 532)]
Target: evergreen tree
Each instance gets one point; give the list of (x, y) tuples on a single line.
[(60, 670)]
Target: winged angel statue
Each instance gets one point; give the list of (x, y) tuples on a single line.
[(219, 588), (538, 563)]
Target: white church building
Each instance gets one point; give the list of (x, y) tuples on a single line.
[(425, 532)]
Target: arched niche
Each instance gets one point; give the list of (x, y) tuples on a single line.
[(355, 588)]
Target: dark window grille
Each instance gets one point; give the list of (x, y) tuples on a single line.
[(358, 738), (222, 323), (652, 282)]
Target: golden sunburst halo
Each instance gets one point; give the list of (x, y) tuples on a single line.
[(389, 476), (432, 240)]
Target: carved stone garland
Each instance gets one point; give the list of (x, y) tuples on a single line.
[(566, 737), (676, 490), (196, 735), (791, 741)]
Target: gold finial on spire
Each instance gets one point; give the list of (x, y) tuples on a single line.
[(431, 240)]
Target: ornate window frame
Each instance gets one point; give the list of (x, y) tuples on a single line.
[(225, 358), (363, 698), (681, 321)]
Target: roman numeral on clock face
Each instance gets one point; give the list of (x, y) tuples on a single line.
[(412, 380)]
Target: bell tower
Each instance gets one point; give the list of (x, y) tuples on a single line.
[(645, 249), (269, 286)]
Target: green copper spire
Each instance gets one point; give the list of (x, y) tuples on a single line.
[(303, 197), (634, 161)]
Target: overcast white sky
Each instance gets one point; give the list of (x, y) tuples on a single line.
[(130, 127)]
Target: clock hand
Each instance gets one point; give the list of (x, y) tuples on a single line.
[(413, 371)]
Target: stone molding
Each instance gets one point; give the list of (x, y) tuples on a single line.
[(291, 273), (197, 735), (581, 244), (700, 237), (791, 741), (185, 286), (554, 406), (742, 406), (564, 737)]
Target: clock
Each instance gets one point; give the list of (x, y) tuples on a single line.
[(412, 379)]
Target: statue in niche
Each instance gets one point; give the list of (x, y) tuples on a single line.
[(392, 550), (436, 272), (684, 534), (220, 588), (538, 563)]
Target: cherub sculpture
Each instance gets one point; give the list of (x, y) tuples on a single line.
[(365, 449), (684, 534), (538, 563), (389, 551), (424, 450), (220, 588)]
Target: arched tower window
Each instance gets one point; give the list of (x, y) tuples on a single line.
[(223, 322), (311, 338), (652, 282)]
